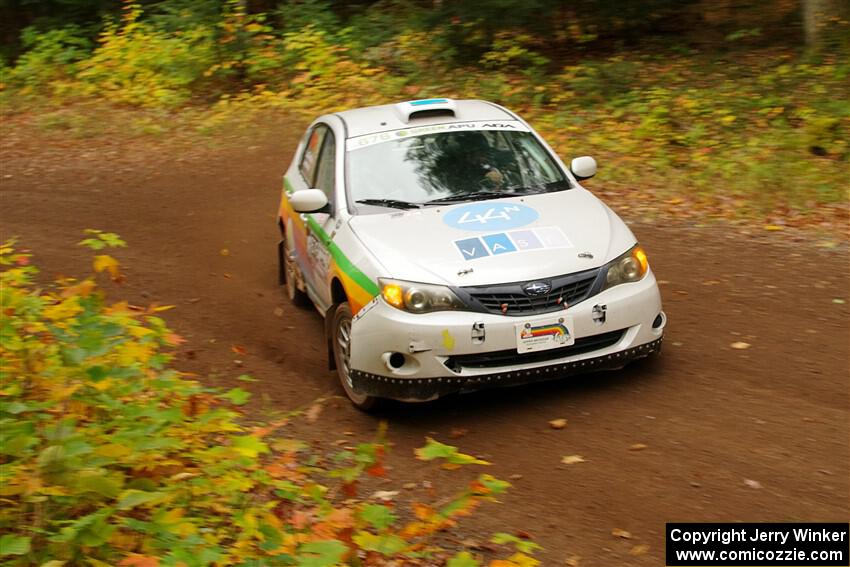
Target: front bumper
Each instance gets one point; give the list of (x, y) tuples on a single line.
[(412, 357)]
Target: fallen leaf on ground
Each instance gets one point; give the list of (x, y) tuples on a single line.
[(740, 345), (238, 349), (639, 549), (312, 414), (458, 432), (573, 561), (752, 483), (350, 489), (838, 301), (385, 494), (278, 312), (617, 532), (572, 459), (638, 447), (773, 227), (224, 252), (558, 423), (173, 339), (109, 264)]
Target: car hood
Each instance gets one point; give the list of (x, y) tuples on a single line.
[(495, 241)]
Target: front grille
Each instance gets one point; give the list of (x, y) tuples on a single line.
[(511, 357), (510, 299)]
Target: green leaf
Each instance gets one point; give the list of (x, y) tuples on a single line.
[(14, 545), (379, 516), (249, 446), (389, 544), (502, 538), (522, 545), (325, 553), (463, 559), (246, 378), (436, 450), (495, 485), (132, 498), (15, 407), (17, 445), (99, 482), (237, 396)]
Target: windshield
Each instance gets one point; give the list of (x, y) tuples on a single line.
[(452, 166)]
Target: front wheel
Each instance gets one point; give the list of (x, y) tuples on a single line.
[(341, 342)]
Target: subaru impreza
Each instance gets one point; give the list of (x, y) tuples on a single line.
[(449, 249)]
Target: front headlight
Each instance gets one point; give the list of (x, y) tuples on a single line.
[(417, 297), (629, 267)]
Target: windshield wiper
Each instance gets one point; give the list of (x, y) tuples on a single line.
[(392, 203), (474, 196)]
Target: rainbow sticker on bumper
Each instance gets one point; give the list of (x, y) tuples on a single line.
[(544, 335)]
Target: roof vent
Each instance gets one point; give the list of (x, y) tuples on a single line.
[(425, 108)]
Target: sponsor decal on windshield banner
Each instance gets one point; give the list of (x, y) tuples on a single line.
[(512, 241), (380, 137)]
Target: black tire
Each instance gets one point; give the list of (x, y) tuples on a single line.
[(340, 337), (286, 267)]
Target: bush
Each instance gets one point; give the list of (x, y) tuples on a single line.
[(51, 56), (139, 64), (110, 456)]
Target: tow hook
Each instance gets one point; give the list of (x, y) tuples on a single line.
[(478, 333), (599, 313)]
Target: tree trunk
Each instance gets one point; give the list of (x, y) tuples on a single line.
[(818, 17)]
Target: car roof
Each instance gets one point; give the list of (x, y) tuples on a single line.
[(424, 112)]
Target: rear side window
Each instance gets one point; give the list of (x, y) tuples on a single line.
[(311, 153)]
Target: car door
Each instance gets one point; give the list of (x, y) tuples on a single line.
[(301, 178), (320, 225)]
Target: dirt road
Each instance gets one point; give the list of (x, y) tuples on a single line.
[(759, 434)]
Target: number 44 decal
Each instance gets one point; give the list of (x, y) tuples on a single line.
[(490, 216), (504, 213)]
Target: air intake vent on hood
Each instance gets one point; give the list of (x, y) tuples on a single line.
[(427, 108)]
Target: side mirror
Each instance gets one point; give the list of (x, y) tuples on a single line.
[(308, 201), (583, 167)]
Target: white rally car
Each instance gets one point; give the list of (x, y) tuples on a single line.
[(450, 249)]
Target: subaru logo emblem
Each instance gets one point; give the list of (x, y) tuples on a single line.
[(537, 288)]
